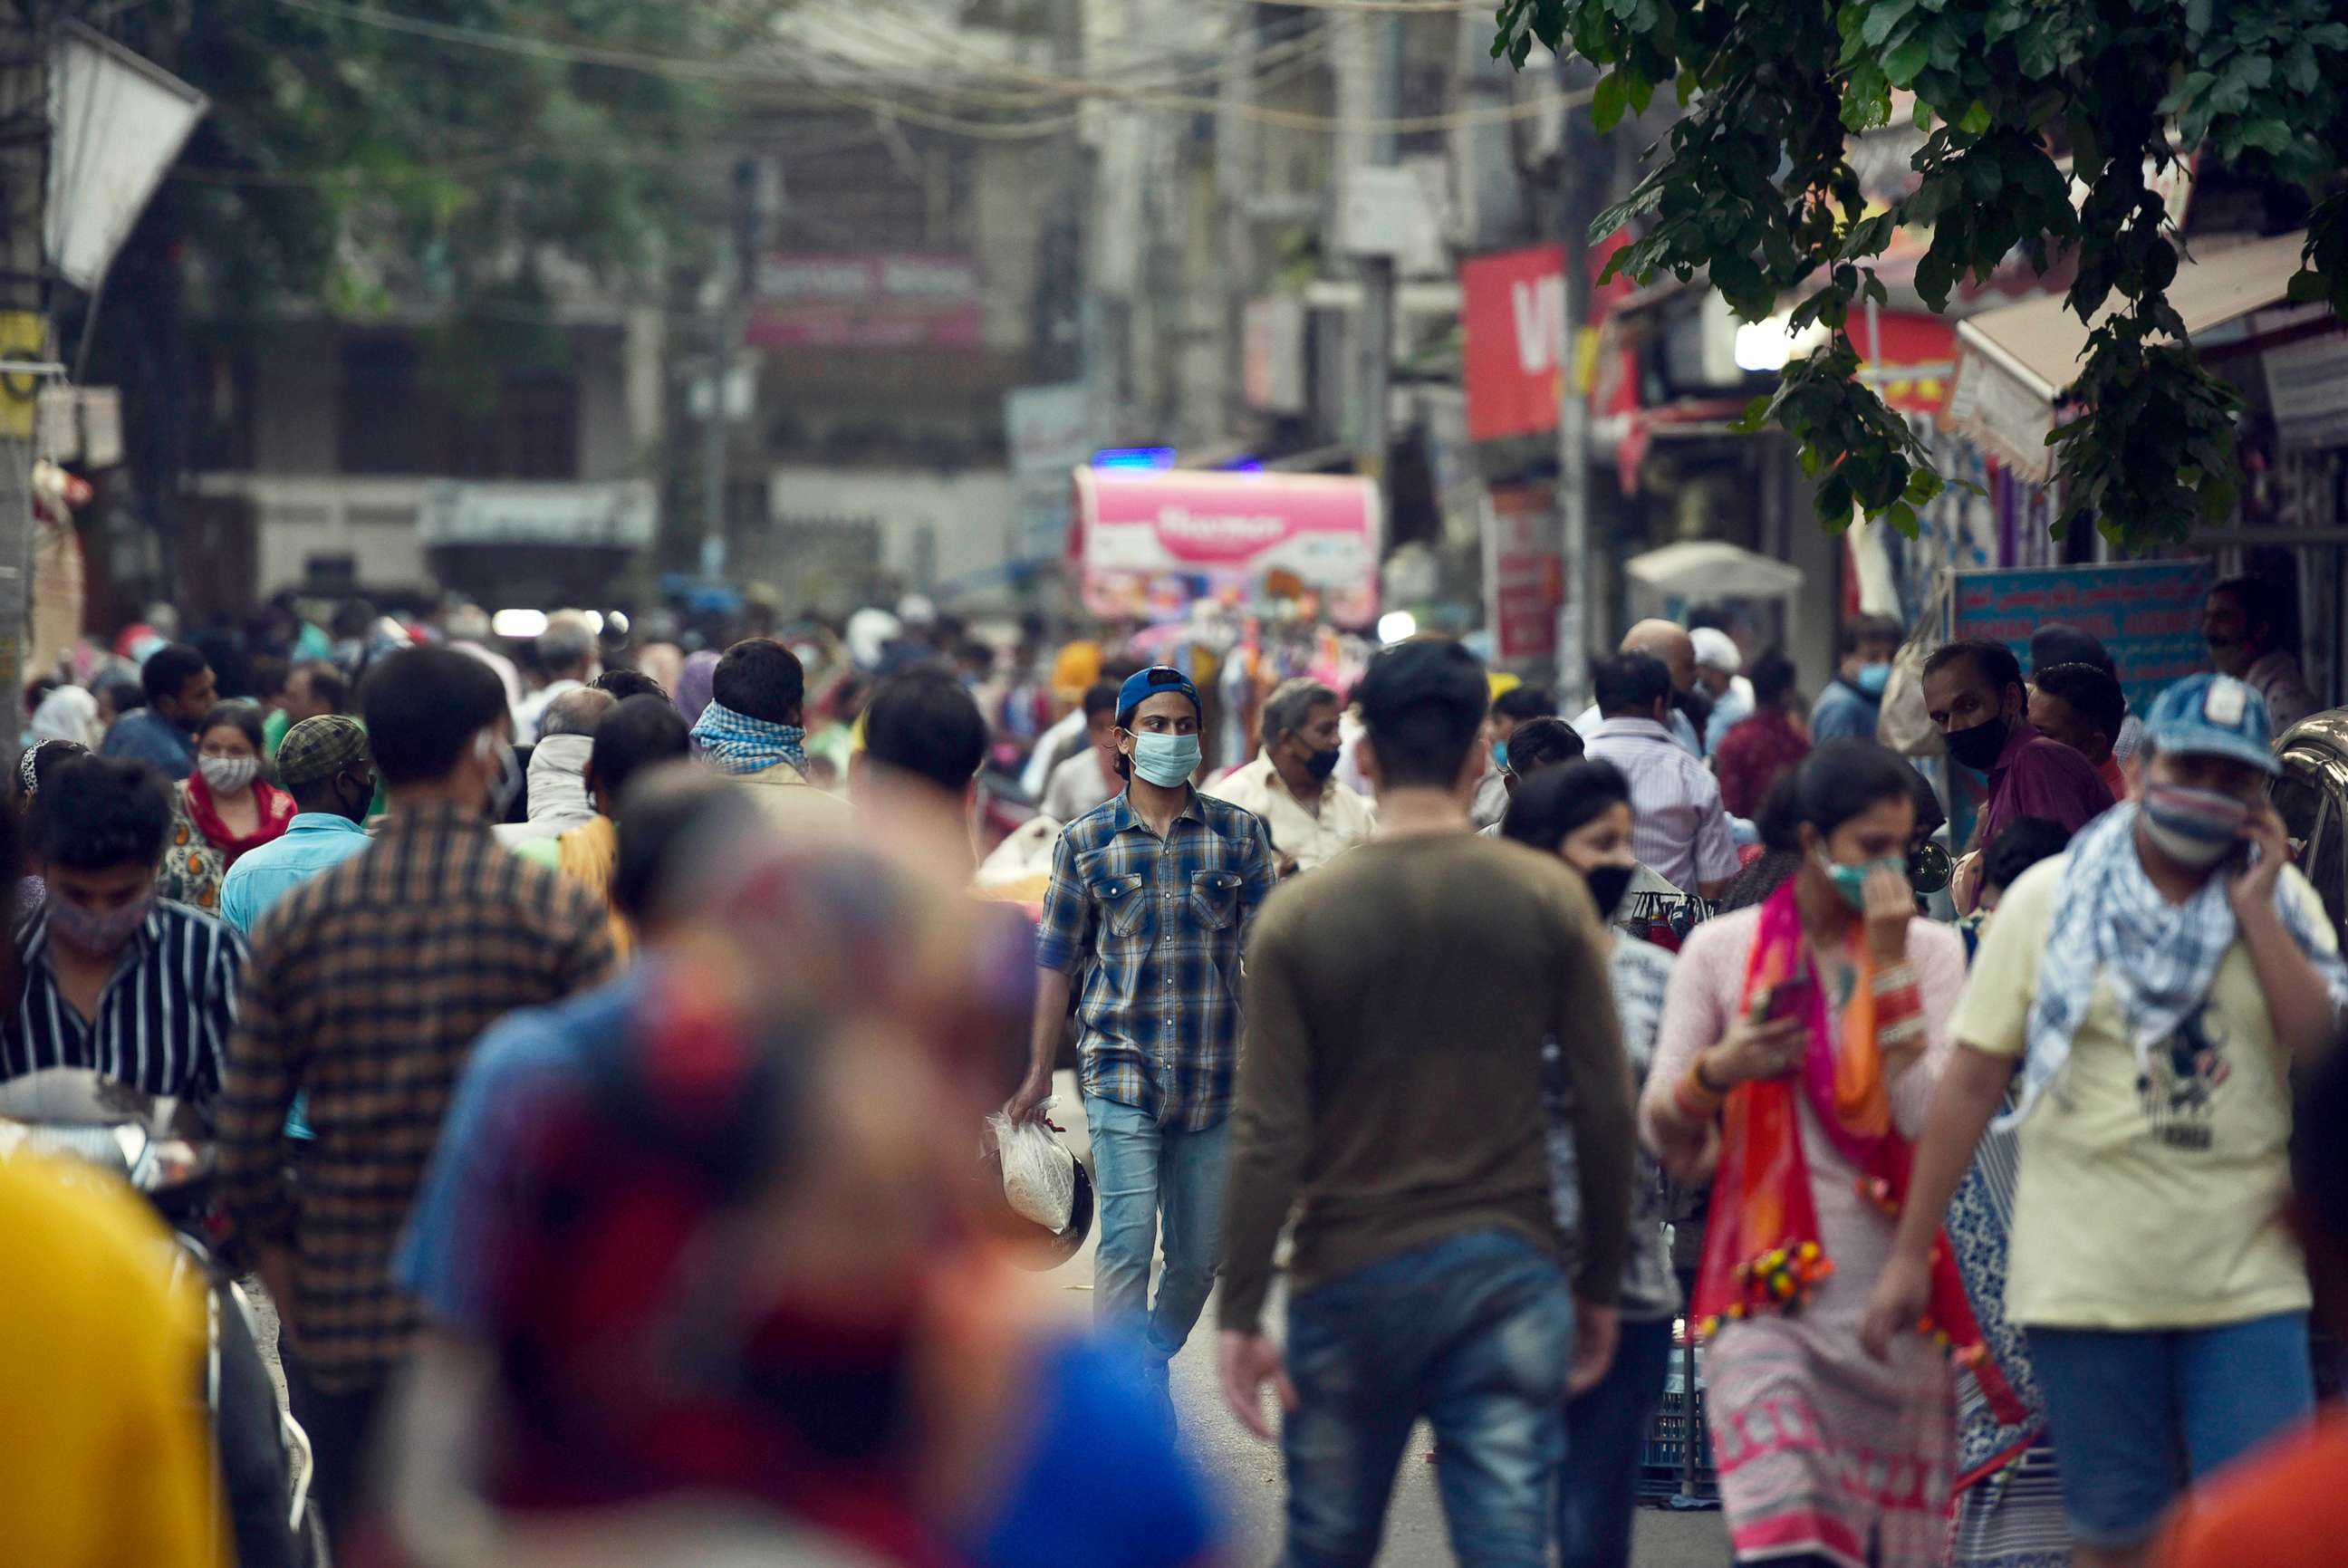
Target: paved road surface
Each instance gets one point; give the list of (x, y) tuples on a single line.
[(1249, 1472)]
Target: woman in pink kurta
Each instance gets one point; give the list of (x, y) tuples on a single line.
[(1824, 1455)]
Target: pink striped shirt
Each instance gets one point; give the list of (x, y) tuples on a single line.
[(1681, 829)]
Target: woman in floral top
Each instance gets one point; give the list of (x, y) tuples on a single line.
[(221, 810)]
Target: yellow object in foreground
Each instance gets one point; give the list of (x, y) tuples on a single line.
[(109, 1458)]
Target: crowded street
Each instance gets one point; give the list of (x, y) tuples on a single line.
[(1173, 784)]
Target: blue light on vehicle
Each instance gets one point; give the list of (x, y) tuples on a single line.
[(1134, 458)]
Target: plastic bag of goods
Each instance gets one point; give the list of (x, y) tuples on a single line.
[(1039, 1175)]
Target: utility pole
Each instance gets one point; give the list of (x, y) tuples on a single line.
[(1577, 616), (1375, 77), (753, 196), (1234, 168), (25, 342)]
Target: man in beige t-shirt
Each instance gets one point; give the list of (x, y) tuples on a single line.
[(2156, 985), (1310, 814)]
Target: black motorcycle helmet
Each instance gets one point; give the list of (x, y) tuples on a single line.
[(1029, 1244)]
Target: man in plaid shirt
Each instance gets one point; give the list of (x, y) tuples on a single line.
[(1151, 897), (366, 989)]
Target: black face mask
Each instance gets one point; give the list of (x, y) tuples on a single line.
[(1977, 747), (1607, 884), (1321, 764)]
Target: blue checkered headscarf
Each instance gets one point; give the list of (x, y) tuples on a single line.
[(736, 743)]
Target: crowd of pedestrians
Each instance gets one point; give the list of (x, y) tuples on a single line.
[(597, 1066)]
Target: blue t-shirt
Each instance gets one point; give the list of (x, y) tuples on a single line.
[(1093, 1418), (470, 1184), (145, 736), (313, 843), (1843, 712)]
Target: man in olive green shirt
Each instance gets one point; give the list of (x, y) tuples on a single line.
[(1398, 1000)]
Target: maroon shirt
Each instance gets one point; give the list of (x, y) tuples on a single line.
[(1751, 756), (2038, 777)]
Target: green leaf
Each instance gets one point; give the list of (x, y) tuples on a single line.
[(2299, 70), (1755, 414), (1923, 486), (1975, 120), (1903, 64), (2267, 135), (1881, 19), (1901, 516), (1609, 102), (2307, 288)]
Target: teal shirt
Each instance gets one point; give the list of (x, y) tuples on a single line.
[(313, 843)]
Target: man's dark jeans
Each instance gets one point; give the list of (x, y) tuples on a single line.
[(1474, 1333), (342, 1431)]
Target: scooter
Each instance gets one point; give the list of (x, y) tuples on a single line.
[(265, 1458)]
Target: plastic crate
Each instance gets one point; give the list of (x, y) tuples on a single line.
[(1666, 1477)]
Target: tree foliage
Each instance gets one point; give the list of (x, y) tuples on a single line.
[(358, 170), (347, 165), (1754, 187)]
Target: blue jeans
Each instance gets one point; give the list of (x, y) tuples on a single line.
[(1605, 1432), (1474, 1333), (2121, 1404), (1142, 1172)]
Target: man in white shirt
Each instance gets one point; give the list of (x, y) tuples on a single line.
[(1088, 777), (1682, 829), (1309, 814), (1718, 664)]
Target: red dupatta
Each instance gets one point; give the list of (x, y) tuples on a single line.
[(1762, 1249), (273, 806)]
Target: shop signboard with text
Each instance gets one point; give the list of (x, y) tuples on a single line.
[(1524, 575), (1512, 315), (1146, 538), (889, 301), (2147, 614)]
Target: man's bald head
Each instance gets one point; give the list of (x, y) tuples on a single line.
[(575, 713), (1667, 641)]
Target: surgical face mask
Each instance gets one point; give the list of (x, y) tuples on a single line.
[(1851, 881), (1978, 746), (504, 769), (1607, 884), (2193, 827), (96, 934), (1165, 761), (1321, 764), (227, 775), (1872, 678)]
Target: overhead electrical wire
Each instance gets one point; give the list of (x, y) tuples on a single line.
[(690, 68)]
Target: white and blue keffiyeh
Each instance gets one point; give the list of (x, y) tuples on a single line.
[(2159, 958), (736, 743)]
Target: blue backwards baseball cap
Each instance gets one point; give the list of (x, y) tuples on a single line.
[(1142, 685), (2213, 716)]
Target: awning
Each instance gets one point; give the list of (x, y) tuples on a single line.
[(2018, 361), (1149, 542), (1713, 569)]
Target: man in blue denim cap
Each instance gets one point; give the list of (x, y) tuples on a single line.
[(2158, 983), (1151, 896)]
